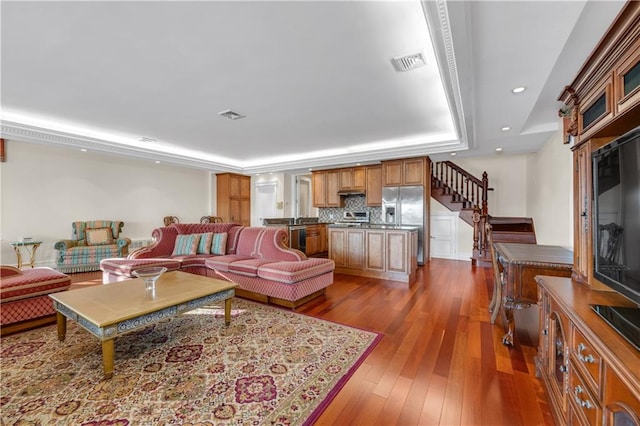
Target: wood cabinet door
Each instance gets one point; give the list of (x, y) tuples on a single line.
[(358, 178), (373, 187), (323, 238), (235, 215), (620, 405), (333, 182), (245, 212), (245, 186), (319, 189), (397, 256), (355, 249), (375, 250), (346, 178), (234, 186), (338, 246), (413, 171), (392, 173)]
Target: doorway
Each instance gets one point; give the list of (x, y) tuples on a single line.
[(266, 202), (303, 197)]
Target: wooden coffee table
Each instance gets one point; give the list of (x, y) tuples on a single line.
[(110, 310)]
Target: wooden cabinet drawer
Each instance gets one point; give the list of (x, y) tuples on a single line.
[(587, 360), (584, 403)]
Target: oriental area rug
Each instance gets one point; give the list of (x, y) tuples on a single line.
[(270, 366)]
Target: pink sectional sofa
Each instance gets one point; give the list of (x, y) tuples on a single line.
[(255, 258)]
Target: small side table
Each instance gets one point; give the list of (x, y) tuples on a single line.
[(31, 247)]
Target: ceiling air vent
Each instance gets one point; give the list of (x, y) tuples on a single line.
[(231, 115), (409, 62)]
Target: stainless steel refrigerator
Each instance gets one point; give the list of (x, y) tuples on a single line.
[(404, 205)]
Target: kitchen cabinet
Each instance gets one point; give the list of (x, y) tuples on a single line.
[(352, 178), (346, 247), (373, 186), (406, 172), (316, 239), (325, 185), (319, 188), (589, 372), (386, 253), (233, 198)]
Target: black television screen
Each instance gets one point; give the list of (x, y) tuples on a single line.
[(616, 215)]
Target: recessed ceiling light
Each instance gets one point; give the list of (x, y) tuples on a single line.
[(83, 149), (505, 128), (147, 140), (518, 89), (453, 154), (157, 162), (231, 115), (499, 149)]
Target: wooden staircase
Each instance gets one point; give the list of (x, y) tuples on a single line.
[(460, 191)]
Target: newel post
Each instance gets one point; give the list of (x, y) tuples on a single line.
[(485, 193)]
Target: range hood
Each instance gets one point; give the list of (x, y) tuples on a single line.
[(347, 192)]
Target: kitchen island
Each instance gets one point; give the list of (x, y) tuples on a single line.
[(372, 250)]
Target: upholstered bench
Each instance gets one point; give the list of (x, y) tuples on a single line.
[(116, 269), (24, 297), (284, 283)]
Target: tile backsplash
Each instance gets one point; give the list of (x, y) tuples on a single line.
[(353, 203)]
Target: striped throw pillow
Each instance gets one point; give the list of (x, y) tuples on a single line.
[(219, 244), (204, 246), (186, 244)]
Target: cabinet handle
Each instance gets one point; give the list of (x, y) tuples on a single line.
[(581, 402), (563, 368), (586, 359)]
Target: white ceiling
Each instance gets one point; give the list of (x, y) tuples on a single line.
[(314, 79)]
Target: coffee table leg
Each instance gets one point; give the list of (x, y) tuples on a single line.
[(227, 311), (107, 357), (62, 326)]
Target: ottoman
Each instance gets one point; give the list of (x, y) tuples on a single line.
[(24, 297), (119, 269)]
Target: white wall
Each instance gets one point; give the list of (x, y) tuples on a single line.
[(45, 188), (550, 192)]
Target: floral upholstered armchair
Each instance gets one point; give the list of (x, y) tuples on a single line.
[(91, 242)]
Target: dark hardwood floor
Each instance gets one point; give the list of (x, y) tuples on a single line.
[(441, 361)]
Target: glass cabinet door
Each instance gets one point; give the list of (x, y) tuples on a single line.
[(558, 356)]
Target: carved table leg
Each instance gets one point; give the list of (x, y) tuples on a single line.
[(510, 306), (495, 307)]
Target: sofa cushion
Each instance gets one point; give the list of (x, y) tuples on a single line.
[(204, 246), (248, 267), (221, 263), (186, 244), (194, 260), (292, 272), (33, 282), (98, 236), (219, 244), (125, 267)]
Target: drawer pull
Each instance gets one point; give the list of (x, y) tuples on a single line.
[(581, 402), (586, 359)]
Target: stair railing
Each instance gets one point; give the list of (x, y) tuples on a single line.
[(473, 190)]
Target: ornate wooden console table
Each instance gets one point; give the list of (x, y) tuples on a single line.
[(520, 264)]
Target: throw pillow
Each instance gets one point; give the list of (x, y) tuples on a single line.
[(204, 247), (98, 236), (219, 244), (186, 244)]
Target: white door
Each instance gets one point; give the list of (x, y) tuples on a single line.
[(266, 202), (444, 235)]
